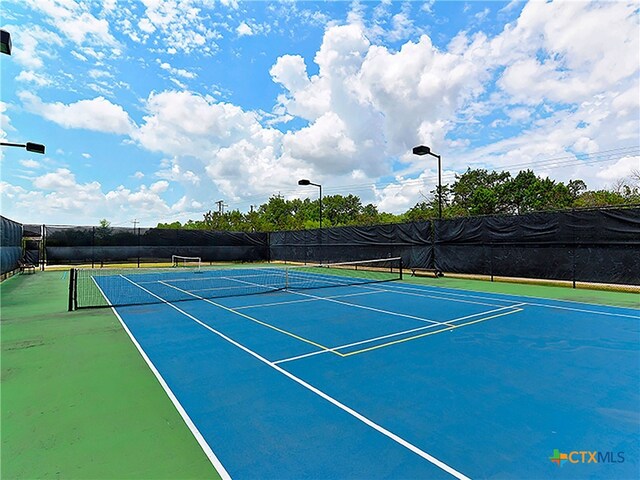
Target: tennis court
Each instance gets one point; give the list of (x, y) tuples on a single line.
[(347, 374)]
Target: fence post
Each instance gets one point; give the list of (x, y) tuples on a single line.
[(72, 282), (44, 246), (138, 247), (433, 243), (93, 246), (573, 251), (491, 260)]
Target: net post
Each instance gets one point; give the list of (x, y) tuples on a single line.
[(400, 266), (286, 278), (93, 247), (72, 284)]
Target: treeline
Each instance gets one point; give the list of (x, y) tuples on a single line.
[(476, 192)]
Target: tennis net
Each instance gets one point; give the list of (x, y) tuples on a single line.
[(104, 287)]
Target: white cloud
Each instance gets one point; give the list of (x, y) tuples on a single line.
[(86, 155), (79, 56), (244, 30), (183, 26), (30, 163), (172, 170), (96, 73), (159, 186), (146, 26), (60, 179), (403, 193), (97, 114), (75, 21), (144, 200), (30, 76), (177, 71), (291, 72), (621, 169), (5, 121), (33, 45), (324, 145), (184, 123), (59, 195)]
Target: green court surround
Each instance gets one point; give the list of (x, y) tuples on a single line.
[(78, 400)]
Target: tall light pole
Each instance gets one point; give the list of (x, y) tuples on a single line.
[(307, 182), (5, 47), (424, 150)]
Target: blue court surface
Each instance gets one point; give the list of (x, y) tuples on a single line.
[(395, 380)]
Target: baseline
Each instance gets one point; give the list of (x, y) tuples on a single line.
[(398, 288)]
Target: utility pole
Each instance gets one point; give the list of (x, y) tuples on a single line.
[(221, 206)]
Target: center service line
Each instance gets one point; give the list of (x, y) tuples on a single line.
[(313, 389)]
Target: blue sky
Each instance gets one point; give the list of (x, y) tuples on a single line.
[(154, 110)]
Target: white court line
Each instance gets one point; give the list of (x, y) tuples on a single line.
[(206, 448), (305, 300), (329, 299), (408, 290), (364, 307), (427, 289), (244, 315), (435, 325), (313, 389), (437, 297)]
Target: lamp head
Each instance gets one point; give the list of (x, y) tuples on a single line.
[(304, 181), (34, 147), (5, 42), (421, 150)]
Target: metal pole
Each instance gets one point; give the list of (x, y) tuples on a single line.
[(320, 206), (93, 247), (138, 247), (43, 236), (439, 186), (72, 275)]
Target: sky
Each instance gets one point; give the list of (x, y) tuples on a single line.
[(154, 110)]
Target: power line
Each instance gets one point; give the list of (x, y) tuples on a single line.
[(562, 161), (552, 163)]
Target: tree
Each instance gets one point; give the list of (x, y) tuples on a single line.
[(174, 225), (277, 213), (466, 187), (483, 201), (475, 192), (340, 210), (576, 187), (422, 211), (369, 215), (599, 198), (103, 231)]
